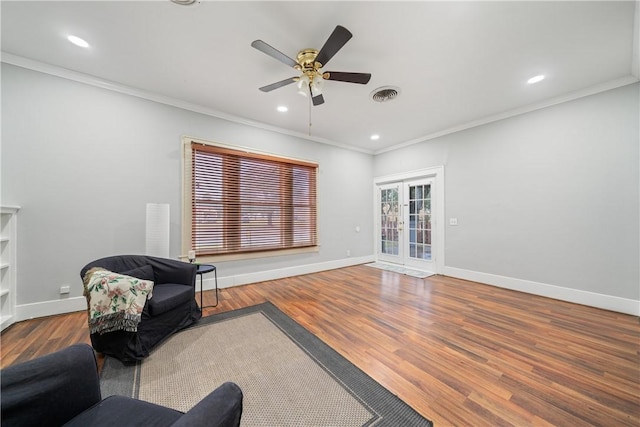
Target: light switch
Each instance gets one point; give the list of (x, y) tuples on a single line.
[(453, 221)]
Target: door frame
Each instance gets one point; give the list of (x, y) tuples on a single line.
[(438, 223)]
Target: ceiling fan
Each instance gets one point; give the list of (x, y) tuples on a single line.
[(309, 62)]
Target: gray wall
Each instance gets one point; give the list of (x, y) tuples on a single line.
[(83, 162), (549, 196)]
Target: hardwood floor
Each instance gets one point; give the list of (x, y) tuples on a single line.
[(458, 352)]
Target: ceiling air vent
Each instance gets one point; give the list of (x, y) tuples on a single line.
[(385, 93)]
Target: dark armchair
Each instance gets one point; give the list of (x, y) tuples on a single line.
[(172, 307), (63, 388)]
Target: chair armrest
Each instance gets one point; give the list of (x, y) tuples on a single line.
[(50, 390), (173, 271), (220, 408)]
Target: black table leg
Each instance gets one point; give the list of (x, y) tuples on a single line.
[(207, 268)]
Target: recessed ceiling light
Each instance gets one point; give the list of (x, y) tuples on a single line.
[(535, 79), (78, 41), (375, 137), (282, 109)]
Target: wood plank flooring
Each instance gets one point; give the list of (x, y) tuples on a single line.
[(458, 352)]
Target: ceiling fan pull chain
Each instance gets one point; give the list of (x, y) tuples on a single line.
[(309, 116)]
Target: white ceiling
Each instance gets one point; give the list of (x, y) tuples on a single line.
[(456, 63)]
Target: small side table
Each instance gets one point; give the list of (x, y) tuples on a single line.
[(204, 269)]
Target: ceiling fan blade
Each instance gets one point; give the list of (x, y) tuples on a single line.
[(273, 52), (334, 43), (272, 86), (317, 100), (362, 78)]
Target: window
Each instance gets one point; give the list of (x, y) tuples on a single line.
[(249, 202)]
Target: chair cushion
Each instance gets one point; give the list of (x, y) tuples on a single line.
[(124, 411), (144, 273), (168, 296)]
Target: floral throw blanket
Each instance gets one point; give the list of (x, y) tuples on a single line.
[(115, 301)]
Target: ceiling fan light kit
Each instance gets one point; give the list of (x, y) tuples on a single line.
[(303, 85), (309, 62)]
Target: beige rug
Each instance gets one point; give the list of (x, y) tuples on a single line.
[(281, 384), (288, 376)]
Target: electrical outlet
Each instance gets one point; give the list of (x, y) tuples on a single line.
[(64, 290), (348, 252)]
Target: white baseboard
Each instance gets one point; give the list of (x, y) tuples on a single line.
[(50, 308), (69, 305), (607, 302), (208, 282)]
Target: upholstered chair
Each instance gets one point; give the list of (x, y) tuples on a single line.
[(63, 388), (171, 307)]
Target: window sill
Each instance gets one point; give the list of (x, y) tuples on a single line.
[(253, 255)]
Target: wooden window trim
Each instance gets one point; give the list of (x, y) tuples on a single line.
[(290, 239)]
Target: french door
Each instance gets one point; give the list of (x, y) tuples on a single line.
[(406, 217), (389, 245)]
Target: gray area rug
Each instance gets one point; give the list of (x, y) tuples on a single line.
[(288, 376), (420, 274)]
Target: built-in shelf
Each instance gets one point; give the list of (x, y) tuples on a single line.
[(8, 276), (5, 321)]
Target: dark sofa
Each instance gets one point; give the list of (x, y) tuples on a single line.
[(63, 388), (172, 307)]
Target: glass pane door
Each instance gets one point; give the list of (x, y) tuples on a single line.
[(389, 244), (419, 221)]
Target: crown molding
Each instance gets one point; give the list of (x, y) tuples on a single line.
[(592, 90), (88, 79), (65, 73)]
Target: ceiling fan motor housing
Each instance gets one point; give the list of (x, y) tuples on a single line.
[(307, 60)]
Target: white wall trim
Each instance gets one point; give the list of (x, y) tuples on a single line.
[(592, 299), (208, 282), (603, 87), (53, 70), (635, 54), (50, 308), (413, 174), (88, 79), (607, 302), (69, 305)]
